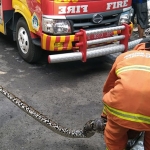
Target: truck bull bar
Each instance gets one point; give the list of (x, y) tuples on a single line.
[(120, 44)]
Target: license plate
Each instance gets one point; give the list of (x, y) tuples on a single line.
[(99, 36)]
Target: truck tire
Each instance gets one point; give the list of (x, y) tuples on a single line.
[(28, 51)]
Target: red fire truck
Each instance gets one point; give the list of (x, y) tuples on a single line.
[(56, 25)]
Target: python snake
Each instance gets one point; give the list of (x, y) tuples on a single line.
[(55, 127)]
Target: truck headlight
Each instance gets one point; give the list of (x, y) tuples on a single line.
[(55, 26), (125, 17)]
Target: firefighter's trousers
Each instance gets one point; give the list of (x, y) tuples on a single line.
[(116, 136)]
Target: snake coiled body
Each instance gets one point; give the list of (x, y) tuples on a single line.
[(55, 127)]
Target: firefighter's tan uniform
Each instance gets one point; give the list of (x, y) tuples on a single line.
[(127, 98)]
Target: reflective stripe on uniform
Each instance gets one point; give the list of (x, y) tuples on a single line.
[(126, 115), (133, 67), (104, 111)]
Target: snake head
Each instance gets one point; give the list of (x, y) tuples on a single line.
[(92, 126), (88, 128)]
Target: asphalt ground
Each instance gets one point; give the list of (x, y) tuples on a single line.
[(68, 93)]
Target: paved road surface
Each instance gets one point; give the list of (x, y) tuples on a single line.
[(69, 93)]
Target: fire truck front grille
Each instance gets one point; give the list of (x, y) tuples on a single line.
[(85, 21)]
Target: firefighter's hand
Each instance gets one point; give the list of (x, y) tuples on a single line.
[(97, 125)]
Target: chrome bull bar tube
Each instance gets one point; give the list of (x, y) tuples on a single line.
[(105, 30), (86, 53), (105, 40), (90, 54), (132, 44)]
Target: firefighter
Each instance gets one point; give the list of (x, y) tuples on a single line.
[(127, 99)]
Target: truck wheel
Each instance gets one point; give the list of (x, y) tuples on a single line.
[(28, 51)]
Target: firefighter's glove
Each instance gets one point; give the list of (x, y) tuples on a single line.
[(97, 125)]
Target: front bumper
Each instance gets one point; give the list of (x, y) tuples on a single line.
[(120, 44), (66, 42)]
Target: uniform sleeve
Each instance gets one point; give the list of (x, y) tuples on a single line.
[(112, 77)]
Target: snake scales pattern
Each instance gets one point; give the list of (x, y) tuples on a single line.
[(55, 127)]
